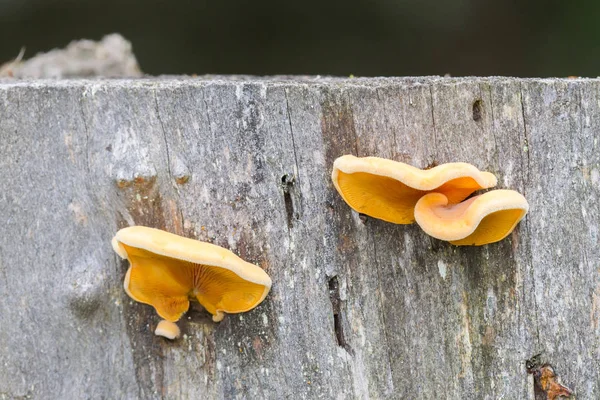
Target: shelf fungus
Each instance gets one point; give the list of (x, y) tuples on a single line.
[(480, 220), (389, 190), (167, 271)]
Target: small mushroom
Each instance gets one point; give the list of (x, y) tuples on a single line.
[(389, 190), (167, 271), (167, 329), (480, 220)]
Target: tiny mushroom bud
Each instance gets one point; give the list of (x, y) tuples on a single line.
[(480, 220), (167, 271), (389, 190), (167, 329)]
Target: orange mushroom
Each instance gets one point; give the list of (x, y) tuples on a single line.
[(167, 271), (480, 220), (389, 190)]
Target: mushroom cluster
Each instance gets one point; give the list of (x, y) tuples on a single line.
[(434, 198), (167, 271)]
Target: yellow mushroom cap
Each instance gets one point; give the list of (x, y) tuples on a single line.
[(389, 190), (167, 329), (167, 270), (480, 220)]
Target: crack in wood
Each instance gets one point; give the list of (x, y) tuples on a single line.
[(87, 134), (477, 110), (287, 181), (338, 327), (164, 134)]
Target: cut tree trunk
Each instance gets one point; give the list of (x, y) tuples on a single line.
[(359, 308)]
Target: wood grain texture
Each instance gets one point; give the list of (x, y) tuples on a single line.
[(359, 308)]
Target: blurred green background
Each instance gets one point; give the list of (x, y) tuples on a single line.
[(360, 37)]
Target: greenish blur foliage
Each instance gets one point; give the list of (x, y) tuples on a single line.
[(359, 37)]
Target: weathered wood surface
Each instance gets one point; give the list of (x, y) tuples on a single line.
[(359, 309)]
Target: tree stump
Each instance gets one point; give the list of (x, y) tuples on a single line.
[(359, 308)]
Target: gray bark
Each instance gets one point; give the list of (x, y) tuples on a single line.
[(359, 308)]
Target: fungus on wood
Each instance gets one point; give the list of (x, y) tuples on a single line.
[(482, 219), (168, 270), (388, 190), (167, 329)]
